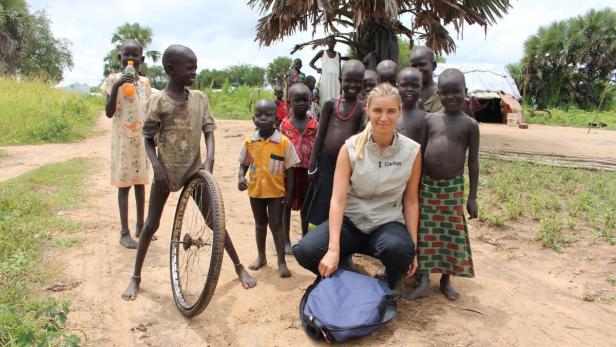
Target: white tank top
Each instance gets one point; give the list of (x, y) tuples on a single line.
[(330, 65), (378, 182)]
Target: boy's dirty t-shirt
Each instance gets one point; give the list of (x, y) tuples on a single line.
[(177, 128)]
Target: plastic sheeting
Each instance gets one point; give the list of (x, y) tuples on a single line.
[(483, 78)]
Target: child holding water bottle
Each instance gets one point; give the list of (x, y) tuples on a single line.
[(127, 94)]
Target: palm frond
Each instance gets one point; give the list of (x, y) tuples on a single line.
[(281, 19)]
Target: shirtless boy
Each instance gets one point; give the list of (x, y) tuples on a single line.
[(409, 85), (340, 119), (173, 165), (443, 236)]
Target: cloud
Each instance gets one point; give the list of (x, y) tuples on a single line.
[(222, 32)]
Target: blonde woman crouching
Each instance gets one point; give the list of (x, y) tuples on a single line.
[(374, 205)]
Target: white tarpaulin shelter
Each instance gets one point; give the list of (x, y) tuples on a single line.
[(483, 78)]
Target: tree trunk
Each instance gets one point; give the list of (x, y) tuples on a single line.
[(376, 41)]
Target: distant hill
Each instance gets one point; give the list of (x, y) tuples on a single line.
[(80, 88)]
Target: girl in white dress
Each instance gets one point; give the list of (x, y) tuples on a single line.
[(329, 86)]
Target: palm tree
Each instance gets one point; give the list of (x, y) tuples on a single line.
[(569, 62), (372, 26), (13, 22), (122, 33)]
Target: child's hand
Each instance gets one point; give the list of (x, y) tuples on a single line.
[(125, 79), (287, 201), (471, 207), (161, 179), (242, 184)]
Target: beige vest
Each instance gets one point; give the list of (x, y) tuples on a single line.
[(378, 182)]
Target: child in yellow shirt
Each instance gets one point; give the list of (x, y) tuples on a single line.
[(268, 156)]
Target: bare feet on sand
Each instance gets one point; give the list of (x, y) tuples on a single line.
[(258, 263), (127, 241), (447, 289), (421, 290), (130, 293), (138, 233), (283, 270), (245, 278)]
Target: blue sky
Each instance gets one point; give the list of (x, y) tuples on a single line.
[(222, 32)]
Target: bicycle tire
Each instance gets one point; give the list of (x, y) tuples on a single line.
[(184, 239)]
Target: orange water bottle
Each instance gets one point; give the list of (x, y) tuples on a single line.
[(129, 88)]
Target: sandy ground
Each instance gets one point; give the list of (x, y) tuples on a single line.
[(522, 294)]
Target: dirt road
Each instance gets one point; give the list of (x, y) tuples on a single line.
[(522, 295)]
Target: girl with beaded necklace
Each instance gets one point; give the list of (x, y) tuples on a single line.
[(340, 119)]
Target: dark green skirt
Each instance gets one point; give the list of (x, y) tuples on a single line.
[(444, 246)]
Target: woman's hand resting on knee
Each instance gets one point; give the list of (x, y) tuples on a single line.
[(329, 264), (412, 268)]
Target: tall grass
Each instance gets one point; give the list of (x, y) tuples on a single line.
[(28, 216), (236, 103), (33, 112), (567, 203)]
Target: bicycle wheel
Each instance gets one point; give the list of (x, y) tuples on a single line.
[(197, 244)]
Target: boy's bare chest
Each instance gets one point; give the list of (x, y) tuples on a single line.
[(451, 141)]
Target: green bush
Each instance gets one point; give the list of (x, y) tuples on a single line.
[(28, 216), (235, 103), (39, 323), (572, 117), (33, 112)]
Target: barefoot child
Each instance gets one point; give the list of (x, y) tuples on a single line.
[(386, 70), (301, 129), (269, 156), (409, 85), (295, 75), (176, 117), (340, 119), (129, 166), (281, 107), (443, 236)]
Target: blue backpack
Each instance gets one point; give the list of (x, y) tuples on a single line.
[(346, 305)]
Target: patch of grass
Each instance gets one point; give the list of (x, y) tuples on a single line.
[(612, 281), (28, 216), (3, 154), (572, 117), (550, 233), (568, 203), (236, 103), (34, 112), (66, 242)]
